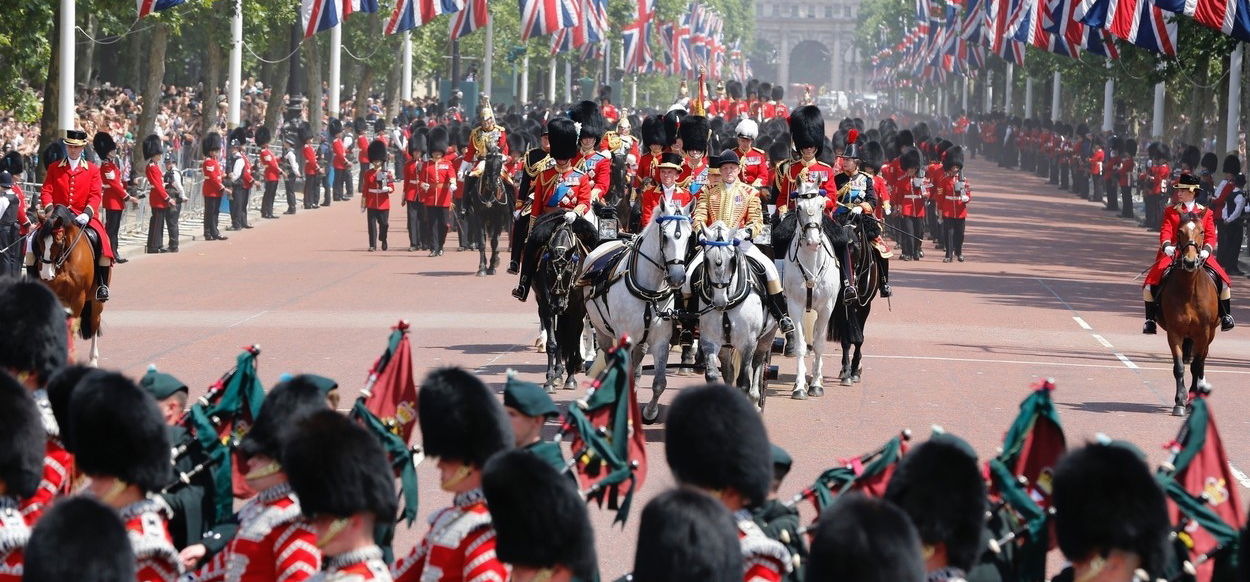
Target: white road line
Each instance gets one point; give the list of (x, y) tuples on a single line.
[(1239, 476), (1103, 341), (1081, 322), (1038, 363), (1127, 362), (249, 318), (1087, 327)]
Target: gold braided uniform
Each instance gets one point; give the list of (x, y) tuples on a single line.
[(738, 206)]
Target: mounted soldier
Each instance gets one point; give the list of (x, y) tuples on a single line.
[(483, 138), (855, 199)]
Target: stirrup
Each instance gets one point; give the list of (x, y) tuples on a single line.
[(849, 294), (886, 291), (1150, 328), (102, 293), (785, 325), (521, 293)]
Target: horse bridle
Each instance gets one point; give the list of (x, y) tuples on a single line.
[(65, 252), (707, 275), (667, 262), (561, 264), (499, 197)]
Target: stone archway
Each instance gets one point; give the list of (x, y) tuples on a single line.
[(811, 63)]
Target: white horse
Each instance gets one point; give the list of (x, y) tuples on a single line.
[(811, 285), (640, 296), (732, 314)]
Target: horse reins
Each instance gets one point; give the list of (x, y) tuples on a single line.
[(65, 253)]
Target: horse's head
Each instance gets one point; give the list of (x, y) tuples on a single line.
[(52, 240), (1189, 238), (562, 259), (673, 226), (616, 188), (490, 190), (810, 205), (720, 259)]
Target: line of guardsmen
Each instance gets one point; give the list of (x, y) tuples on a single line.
[(88, 490)]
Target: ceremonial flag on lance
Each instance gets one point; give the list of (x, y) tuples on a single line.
[(319, 15), (1140, 22), (1202, 493), (147, 7), (218, 421), (543, 17), (474, 16), (387, 407), (608, 449)]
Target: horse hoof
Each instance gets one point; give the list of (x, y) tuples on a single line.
[(481, 273), (798, 394), (1178, 410), (847, 381), (855, 378), (816, 390), (650, 413), (570, 385), (490, 271), (549, 388)]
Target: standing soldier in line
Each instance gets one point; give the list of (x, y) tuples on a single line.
[(463, 425), (213, 188), (340, 180), (529, 407), (412, 188), (438, 180), (312, 170), (158, 196), (21, 462), (270, 172), (1111, 173), (912, 185), (1155, 184), (1128, 150), (88, 531), (75, 183), (1232, 218), (1097, 161), (114, 191), (290, 171), (377, 197), (780, 111), (953, 194), (240, 179), (753, 160)]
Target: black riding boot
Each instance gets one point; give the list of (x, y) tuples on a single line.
[(883, 267), (849, 292), (685, 318), (1152, 310), (102, 278), (1226, 315), (522, 291)]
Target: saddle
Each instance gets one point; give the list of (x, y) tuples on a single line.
[(600, 272), (94, 237), (755, 279), (1163, 281)]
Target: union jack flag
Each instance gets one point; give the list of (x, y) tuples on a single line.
[(351, 7), (147, 7), (683, 61), (474, 16), (974, 21), (1001, 38), (1231, 17), (409, 14), (636, 38), (319, 15), (543, 17), (1140, 22), (588, 30), (666, 44)]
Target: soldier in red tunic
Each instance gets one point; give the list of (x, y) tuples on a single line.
[(610, 114), (666, 189), (596, 165), (780, 111), (695, 132), (1174, 218), (1155, 183), (239, 178), (214, 187), (75, 183), (119, 441), (649, 164), (953, 193), (376, 201), (20, 469), (114, 191), (463, 425), (80, 539), (753, 160), (807, 130), (270, 173), (910, 186), (730, 459), (345, 486), (268, 540)]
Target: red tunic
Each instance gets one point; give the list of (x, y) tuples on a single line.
[(1095, 162), (436, 178), (58, 465), (560, 191), (378, 189), (648, 167), (362, 149), (610, 113), (340, 154), (1157, 177), (912, 198), (1172, 221), (764, 559), (114, 192), (158, 197), (213, 187), (459, 547), (652, 196), (949, 202), (78, 189), (310, 161), (13, 536), (693, 177), (754, 167), (780, 111), (273, 543), (247, 177), (412, 180), (878, 185), (363, 565), (597, 166), (273, 173), (789, 183), (768, 110), (156, 560), (1125, 170)]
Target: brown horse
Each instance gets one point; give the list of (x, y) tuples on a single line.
[(67, 266), (1189, 311)]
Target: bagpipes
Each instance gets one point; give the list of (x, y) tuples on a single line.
[(869, 473)]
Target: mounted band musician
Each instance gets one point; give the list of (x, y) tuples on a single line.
[(1175, 217)]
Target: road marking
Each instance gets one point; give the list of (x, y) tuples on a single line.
[(1239, 476), (1127, 362), (249, 318), (1081, 322), (1087, 327), (1103, 341)]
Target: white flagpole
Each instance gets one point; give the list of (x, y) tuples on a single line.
[(65, 108), (525, 79), (489, 59), (336, 57), (1234, 99), (1055, 97), (406, 92), (1108, 102), (236, 63)]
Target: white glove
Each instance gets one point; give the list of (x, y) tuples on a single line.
[(1203, 254), (857, 210), (964, 198), (917, 182), (570, 216), (82, 219), (742, 234), (1169, 250)]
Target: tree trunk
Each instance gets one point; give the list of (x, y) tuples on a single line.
[(312, 64), (1196, 126), (151, 89), (393, 82), (48, 131), (277, 85), (86, 63), (1221, 110), (134, 65), (212, 83)]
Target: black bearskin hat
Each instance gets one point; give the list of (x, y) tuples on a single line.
[(52, 154), (102, 143), (1162, 151), (953, 157), (1082, 129), (1191, 156), (1232, 164), (588, 114), (734, 88), (302, 135), (540, 519), (779, 151), (460, 417), (334, 127), (152, 146), (211, 143), (288, 402), (1210, 162), (33, 338), (379, 125), (417, 145), (22, 431), (516, 143), (752, 87), (562, 137), (910, 158), (1129, 146), (60, 390), (921, 132), (904, 139), (685, 535), (874, 156), (377, 151), (779, 92), (438, 139), (715, 439), (1113, 144), (117, 431), (1105, 499), (12, 163), (672, 123), (237, 137), (867, 540), (263, 136), (337, 468), (359, 125), (764, 91), (695, 131), (939, 485), (652, 132), (79, 539), (807, 128)]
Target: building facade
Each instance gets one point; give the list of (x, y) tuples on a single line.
[(813, 42)]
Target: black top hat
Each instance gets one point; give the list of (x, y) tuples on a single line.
[(75, 138)]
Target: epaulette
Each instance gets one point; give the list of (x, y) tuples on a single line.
[(45, 413), (13, 530), (755, 149), (150, 543), (459, 528), (755, 543), (269, 517)]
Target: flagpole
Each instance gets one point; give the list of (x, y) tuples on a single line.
[(633, 93), (1028, 97), (1156, 125), (336, 57), (568, 80), (1007, 89), (1108, 101), (406, 92), (1056, 92), (989, 91), (551, 81), (1234, 99), (236, 63), (489, 59), (607, 63), (65, 108), (525, 80), (963, 98)]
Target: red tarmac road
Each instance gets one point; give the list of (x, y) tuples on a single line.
[(1047, 291)]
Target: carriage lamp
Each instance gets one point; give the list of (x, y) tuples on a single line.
[(764, 236), (607, 224)]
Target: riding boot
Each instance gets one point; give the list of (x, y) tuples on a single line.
[(849, 293), (102, 278), (522, 291), (1226, 315), (883, 267), (1152, 309), (777, 306)]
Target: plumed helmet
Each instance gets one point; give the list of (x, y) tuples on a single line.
[(562, 137), (22, 431), (152, 146), (852, 149), (334, 127), (734, 88), (1105, 499), (1232, 164), (807, 128), (953, 157), (653, 132), (79, 539), (210, 144), (779, 92), (747, 128), (118, 432), (1191, 156), (539, 517), (910, 158), (377, 151), (588, 114), (685, 535), (695, 132), (460, 418), (939, 485), (102, 143), (1210, 162), (715, 439), (438, 139), (874, 156), (867, 540), (288, 402), (33, 338), (672, 121), (337, 468)]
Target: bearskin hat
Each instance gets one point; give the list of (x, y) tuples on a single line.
[(685, 535), (79, 539), (52, 154), (867, 540), (102, 143), (152, 146), (1232, 164), (417, 145), (33, 337), (672, 123), (460, 418), (211, 143), (1163, 151), (1082, 129), (359, 125), (652, 132), (12, 163), (904, 139), (540, 519), (337, 468), (939, 485), (921, 132), (334, 127), (237, 137), (1191, 156), (734, 88), (695, 132), (779, 151), (779, 92), (22, 431), (1129, 146), (1105, 498), (462, 136), (752, 88), (953, 157), (60, 389), (715, 439), (263, 136), (1113, 144), (379, 125), (117, 431), (438, 139), (764, 91), (588, 114), (516, 142), (562, 137), (288, 402), (874, 156), (910, 158), (807, 128), (1210, 162), (377, 151)]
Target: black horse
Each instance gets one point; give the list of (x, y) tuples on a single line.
[(619, 192), (560, 246), (849, 317), (489, 201)]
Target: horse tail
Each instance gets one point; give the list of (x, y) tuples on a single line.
[(86, 321), (846, 325)]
